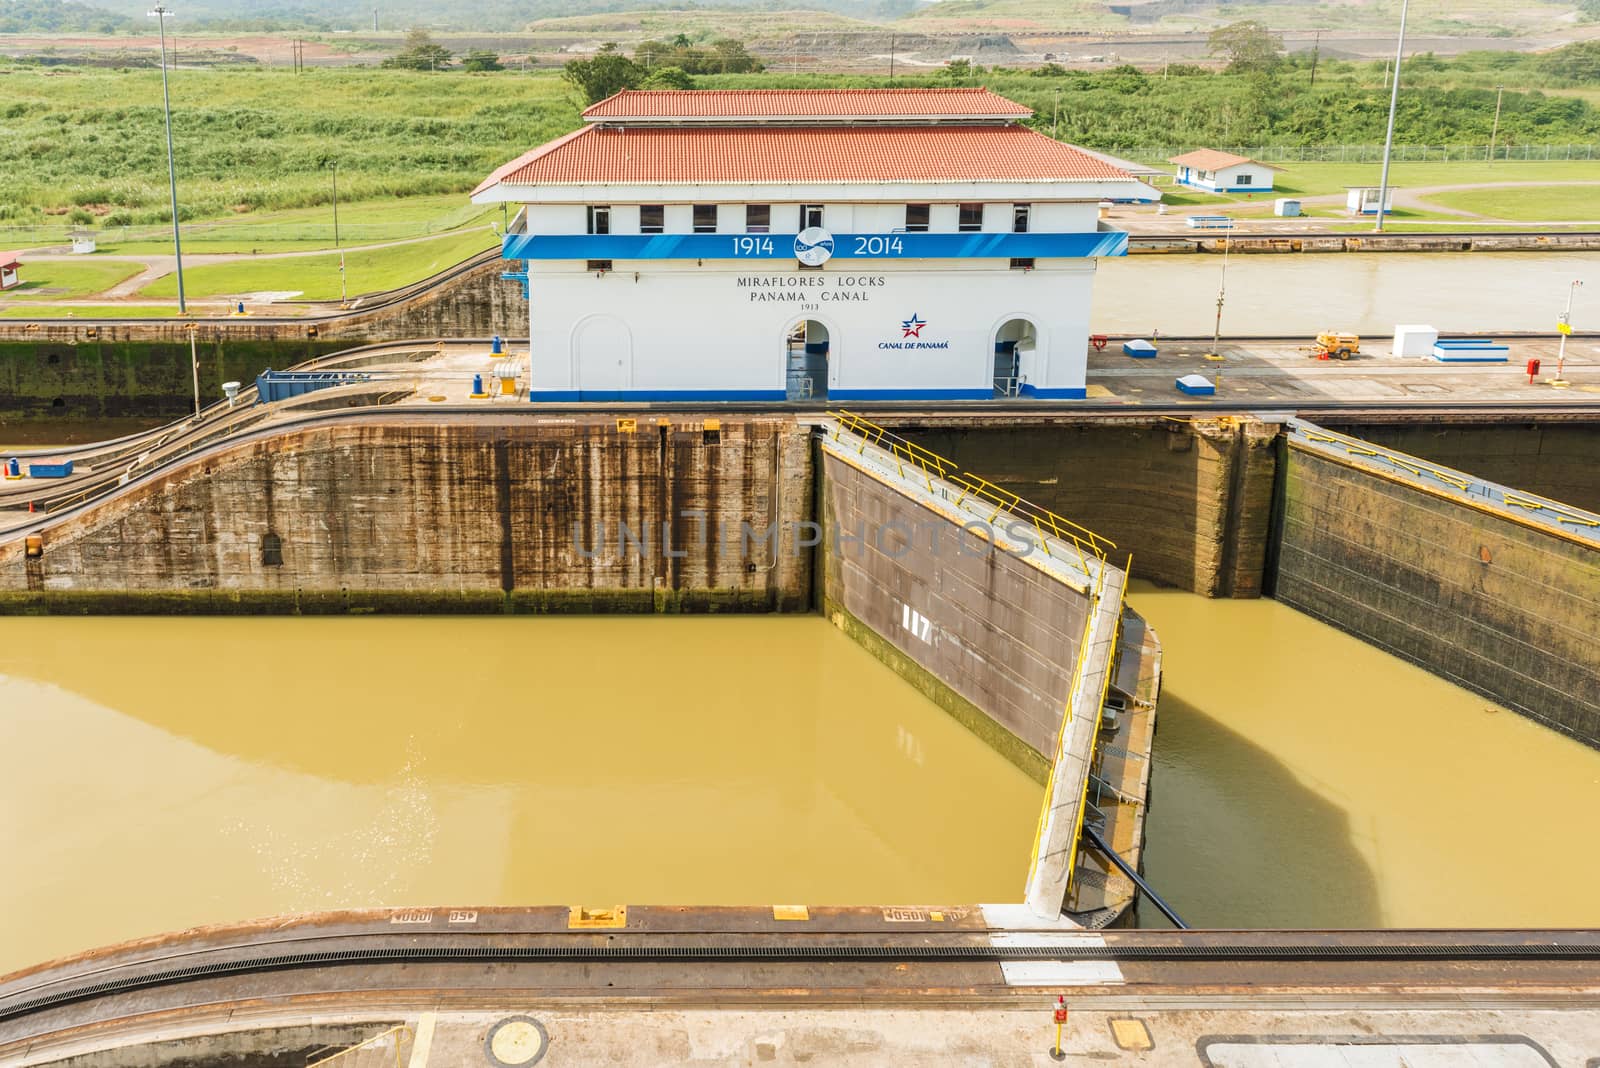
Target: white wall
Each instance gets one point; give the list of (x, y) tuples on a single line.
[(1228, 177), (859, 218), (693, 329)]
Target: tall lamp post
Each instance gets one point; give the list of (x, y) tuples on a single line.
[(1566, 328), (344, 299), (1394, 103), (1494, 135), (160, 15)]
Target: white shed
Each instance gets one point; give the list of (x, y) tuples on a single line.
[(1363, 200), (1222, 172)]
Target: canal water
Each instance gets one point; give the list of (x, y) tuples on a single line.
[(1304, 779), (1293, 295), (161, 773)]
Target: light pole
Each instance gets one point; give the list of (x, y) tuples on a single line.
[(1494, 135), (160, 15), (1215, 355), (1055, 121), (1566, 328), (1394, 103), (335, 168)]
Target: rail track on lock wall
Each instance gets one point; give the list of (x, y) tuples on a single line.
[(703, 955)]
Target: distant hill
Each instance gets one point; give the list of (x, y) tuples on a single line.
[(492, 15), (59, 16)]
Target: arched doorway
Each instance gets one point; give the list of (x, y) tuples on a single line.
[(1014, 343), (602, 351), (806, 349)]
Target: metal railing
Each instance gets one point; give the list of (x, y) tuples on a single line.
[(400, 1034), (1547, 514), (910, 458)]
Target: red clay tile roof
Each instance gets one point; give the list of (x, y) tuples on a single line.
[(1209, 159), (803, 103), (779, 155)]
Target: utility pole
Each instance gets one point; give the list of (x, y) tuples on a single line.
[(374, 20), (1494, 135), (1394, 103), (1566, 328), (194, 366), (891, 57), (1215, 355), (1316, 54), (1055, 122), (335, 166), (160, 15)]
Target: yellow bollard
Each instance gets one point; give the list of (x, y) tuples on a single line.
[(1057, 1054)]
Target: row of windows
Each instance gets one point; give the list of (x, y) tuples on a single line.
[(758, 218)]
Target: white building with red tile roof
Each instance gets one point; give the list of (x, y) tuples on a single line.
[(1222, 172), (806, 244)]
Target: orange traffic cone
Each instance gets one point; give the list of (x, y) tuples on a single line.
[(30, 507)]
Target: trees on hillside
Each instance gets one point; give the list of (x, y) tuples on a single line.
[(481, 59), (1247, 46), (608, 71), (725, 56), (421, 52)]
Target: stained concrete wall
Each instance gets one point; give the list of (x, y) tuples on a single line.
[(142, 368), (390, 515), (985, 634), (1473, 595), (1191, 500)]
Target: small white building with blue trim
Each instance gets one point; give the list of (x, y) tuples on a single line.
[(756, 245), (1222, 172)]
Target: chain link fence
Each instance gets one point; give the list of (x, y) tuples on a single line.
[(1374, 153)]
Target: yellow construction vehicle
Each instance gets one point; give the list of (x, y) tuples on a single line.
[(1336, 346)]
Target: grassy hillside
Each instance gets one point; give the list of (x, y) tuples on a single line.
[(88, 144)]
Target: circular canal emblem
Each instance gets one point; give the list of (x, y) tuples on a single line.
[(813, 246), (516, 1041)]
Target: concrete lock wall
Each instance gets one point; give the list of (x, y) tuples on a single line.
[(384, 516), (1191, 500), (1475, 593), (986, 635)]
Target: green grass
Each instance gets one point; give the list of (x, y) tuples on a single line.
[(317, 277), (68, 279), (1527, 203), (89, 311)]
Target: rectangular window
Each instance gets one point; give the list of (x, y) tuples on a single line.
[(705, 218), (757, 218), (652, 218), (599, 220), (1020, 213), (1245, 179), (599, 266), (810, 215), (1022, 263), (917, 218), (971, 218)]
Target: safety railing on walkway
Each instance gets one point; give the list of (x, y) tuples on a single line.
[(379, 1043), (1547, 513), (915, 462)]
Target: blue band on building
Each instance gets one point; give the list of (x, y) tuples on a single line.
[(891, 246)]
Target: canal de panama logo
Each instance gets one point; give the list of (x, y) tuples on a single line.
[(912, 326), (813, 246)]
